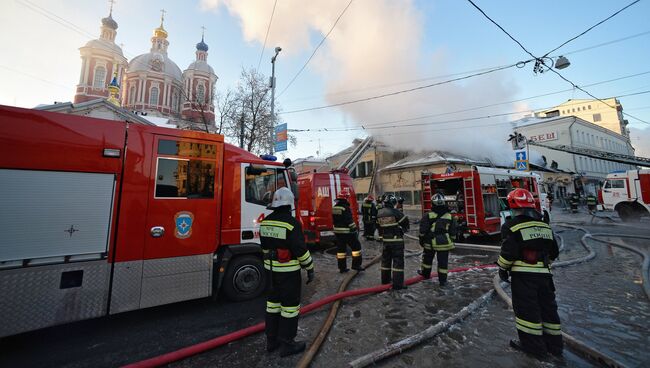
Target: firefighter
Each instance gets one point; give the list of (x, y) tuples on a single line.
[(527, 249), (369, 214), (392, 225), (345, 230), (400, 204), (437, 233), (285, 253), (591, 203), (574, 200)]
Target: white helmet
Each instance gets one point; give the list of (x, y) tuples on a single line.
[(438, 200), (282, 197)]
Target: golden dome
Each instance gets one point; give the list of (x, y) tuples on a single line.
[(160, 32)]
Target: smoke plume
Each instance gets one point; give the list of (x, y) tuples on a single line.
[(640, 141), (380, 43)]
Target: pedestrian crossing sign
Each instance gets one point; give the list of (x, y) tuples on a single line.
[(521, 165)]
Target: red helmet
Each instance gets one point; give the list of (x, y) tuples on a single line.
[(343, 193), (370, 198), (520, 198)]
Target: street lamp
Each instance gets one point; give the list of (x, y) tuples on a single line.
[(561, 63), (272, 85)]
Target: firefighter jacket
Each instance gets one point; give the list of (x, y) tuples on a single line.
[(438, 228), (527, 246), (392, 225), (368, 212), (591, 200), (283, 242), (342, 218)]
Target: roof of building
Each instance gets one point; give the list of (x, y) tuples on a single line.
[(105, 45), (145, 62), (68, 107), (430, 158), (109, 22), (200, 65), (532, 120)]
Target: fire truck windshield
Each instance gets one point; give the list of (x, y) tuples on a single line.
[(261, 183)]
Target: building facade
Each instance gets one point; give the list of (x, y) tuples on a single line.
[(575, 132), (607, 113), (151, 84)]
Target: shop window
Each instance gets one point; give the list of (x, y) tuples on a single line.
[(417, 197), (407, 195)]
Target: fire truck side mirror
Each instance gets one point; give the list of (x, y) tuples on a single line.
[(294, 181)]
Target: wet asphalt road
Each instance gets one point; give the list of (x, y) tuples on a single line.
[(614, 319)]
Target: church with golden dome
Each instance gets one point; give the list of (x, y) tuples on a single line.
[(150, 84)]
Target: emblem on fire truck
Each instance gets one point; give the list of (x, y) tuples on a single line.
[(183, 221)]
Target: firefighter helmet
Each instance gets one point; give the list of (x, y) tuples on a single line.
[(520, 198), (390, 200), (438, 200), (343, 194), (282, 197), (369, 198)]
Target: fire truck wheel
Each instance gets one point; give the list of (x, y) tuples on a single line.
[(245, 278), (627, 214)]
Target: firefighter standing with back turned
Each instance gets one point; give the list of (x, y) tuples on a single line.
[(369, 214), (527, 249), (285, 253), (392, 225), (345, 230), (437, 231)]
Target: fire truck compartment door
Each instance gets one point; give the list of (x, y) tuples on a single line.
[(46, 214), (183, 201)]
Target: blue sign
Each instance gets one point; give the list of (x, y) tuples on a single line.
[(280, 127), (280, 146), (521, 165), (521, 155)]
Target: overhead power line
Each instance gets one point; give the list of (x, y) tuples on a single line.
[(519, 64), (267, 35), (540, 60), (381, 126), (316, 49), (594, 26)]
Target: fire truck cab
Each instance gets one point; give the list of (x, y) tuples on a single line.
[(102, 217), (627, 193), (317, 193), (477, 197)]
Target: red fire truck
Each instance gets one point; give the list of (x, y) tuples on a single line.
[(101, 217), (317, 192), (628, 193), (477, 197)]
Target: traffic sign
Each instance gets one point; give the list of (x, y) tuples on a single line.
[(521, 155), (521, 165), (280, 146)]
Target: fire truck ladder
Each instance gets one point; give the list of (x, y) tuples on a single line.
[(470, 201), (354, 157), (602, 155)]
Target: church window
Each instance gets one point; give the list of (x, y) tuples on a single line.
[(132, 95), (153, 96), (175, 102), (100, 77), (200, 93)]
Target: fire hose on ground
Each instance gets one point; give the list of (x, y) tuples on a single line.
[(248, 331), (440, 327)]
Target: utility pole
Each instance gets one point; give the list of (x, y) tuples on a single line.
[(277, 51)]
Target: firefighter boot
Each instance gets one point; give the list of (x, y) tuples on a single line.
[(291, 347), (272, 344), (425, 275)]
